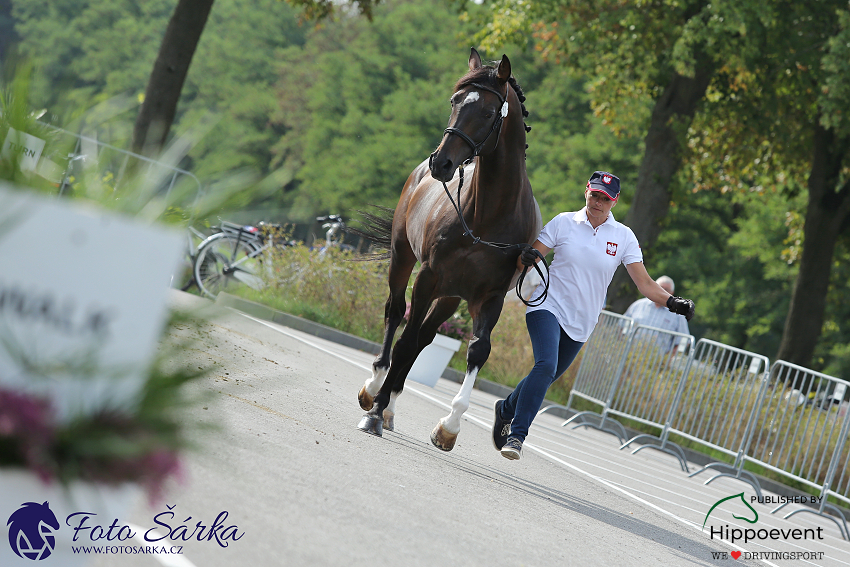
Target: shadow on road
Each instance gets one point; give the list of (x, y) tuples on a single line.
[(695, 551)]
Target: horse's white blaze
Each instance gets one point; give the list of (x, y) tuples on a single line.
[(460, 403), (373, 384), (470, 98)]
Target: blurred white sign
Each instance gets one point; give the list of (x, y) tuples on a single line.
[(82, 301), (28, 149)]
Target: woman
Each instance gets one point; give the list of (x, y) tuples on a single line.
[(589, 246)]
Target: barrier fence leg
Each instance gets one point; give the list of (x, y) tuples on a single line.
[(837, 515), (660, 444), (583, 419)]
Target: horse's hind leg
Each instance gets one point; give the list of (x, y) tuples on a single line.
[(401, 265), (404, 353), (485, 315)]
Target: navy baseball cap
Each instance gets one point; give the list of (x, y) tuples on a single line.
[(606, 182)]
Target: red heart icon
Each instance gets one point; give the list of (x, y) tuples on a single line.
[(735, 554)]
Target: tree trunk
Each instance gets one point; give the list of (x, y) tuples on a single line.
[(827, 211), (169, 72), (661, 159), (8, 36)]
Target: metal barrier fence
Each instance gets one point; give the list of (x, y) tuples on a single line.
[(654, 364), (602, 361), (722, 391), (837, 483), (801, 432), (113, 162), (783, 418)]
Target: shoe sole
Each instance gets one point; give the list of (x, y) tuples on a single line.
[(511, 454)]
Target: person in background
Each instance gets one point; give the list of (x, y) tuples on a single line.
[(589, 245), (653, 314)]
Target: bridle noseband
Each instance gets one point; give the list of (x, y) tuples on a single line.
[(476, 150)]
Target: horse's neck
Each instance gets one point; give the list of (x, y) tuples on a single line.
[(500, 180)]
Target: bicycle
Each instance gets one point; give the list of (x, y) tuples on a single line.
[(234, 256), (184, 277), (335, 234)]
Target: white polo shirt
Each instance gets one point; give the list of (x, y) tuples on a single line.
[(584, 264)]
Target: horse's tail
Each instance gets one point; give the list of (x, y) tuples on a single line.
[(378, 228)]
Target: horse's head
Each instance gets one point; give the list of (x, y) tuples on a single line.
[(31, 530), (479, 105)]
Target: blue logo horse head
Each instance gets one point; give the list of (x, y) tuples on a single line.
[(31, 530)]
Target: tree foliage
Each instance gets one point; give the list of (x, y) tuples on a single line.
[(350, 105), (94, 54)]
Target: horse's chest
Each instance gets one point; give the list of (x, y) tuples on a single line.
[(470, 269)]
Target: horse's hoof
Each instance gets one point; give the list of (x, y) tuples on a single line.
[(372, 424), (366, 401), (442, 439), (389, 420)]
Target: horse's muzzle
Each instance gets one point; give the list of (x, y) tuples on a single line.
[(442, 169)]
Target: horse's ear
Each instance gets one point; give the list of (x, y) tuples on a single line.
[(504, 70), (474, 60)]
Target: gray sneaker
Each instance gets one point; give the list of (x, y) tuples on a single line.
[(501, 427), (512, 449)]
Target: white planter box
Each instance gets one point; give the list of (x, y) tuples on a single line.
[(433, 359)]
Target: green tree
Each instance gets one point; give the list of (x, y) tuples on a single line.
[(99, 52), (786, 125), (8, 37), (649, 64), (364, 103), (169, 72)]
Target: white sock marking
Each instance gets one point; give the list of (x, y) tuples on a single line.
[(460, 403), (373, 384)]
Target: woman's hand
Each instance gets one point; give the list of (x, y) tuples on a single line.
[(681, 306)]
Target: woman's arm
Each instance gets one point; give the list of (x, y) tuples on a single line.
[(645, 284), (539, 246)]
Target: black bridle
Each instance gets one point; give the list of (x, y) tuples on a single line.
[(476, 150), (496, 127)]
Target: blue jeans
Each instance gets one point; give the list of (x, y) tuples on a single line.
[(554, 351)]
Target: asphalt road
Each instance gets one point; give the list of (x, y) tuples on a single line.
[(279, 451)]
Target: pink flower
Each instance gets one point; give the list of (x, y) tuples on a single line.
[(27, 432)]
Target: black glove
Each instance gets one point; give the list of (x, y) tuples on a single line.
[(681, 306), (528, 256)]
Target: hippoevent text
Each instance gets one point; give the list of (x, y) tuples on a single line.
[(749, 534)]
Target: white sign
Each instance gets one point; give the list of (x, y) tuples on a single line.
[(27, 149), (82, 301)]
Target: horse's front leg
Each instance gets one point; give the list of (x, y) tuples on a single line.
[(484, 317)]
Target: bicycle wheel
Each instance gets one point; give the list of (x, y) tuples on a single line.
[(225, 262)]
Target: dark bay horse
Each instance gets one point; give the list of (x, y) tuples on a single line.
[(486, 129)]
